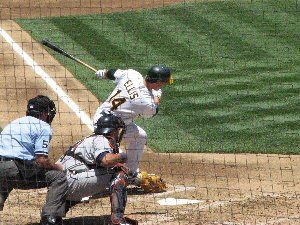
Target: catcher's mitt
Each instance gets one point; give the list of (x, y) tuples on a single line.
[(151, 182)]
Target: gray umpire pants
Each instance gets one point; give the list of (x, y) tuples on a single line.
[(14, 175)]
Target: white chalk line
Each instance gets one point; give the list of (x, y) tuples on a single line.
[(55, 87)]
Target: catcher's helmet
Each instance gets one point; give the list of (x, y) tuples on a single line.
[(39, 105), (109, 123), (159, 73)]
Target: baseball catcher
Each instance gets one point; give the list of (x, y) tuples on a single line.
[(94, 164), (136, 96)]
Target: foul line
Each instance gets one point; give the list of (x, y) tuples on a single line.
[(56, 88)]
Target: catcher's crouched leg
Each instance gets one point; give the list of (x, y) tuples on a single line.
[(118, 197), (150, 182)]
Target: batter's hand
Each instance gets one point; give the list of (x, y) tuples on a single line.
[(101, 74), (157, 96), (157, 93)]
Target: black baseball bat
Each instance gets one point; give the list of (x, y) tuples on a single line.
[(56, 48)]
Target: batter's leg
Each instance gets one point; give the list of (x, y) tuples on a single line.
[(135, 139)]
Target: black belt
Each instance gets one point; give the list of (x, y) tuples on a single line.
[(2, 158)]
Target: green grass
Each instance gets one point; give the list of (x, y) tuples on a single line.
[(236, 65)]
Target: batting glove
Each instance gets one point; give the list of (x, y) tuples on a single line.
[(157, 93), (101, 74)]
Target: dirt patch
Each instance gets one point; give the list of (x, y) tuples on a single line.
[(232, 188), (11, 9)]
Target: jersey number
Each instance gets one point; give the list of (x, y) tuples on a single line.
[(45, 144), (116, 102)]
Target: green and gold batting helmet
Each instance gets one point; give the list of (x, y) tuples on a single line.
[(159, 73)]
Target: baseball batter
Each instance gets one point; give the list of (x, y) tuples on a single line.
[(134, 96), (95, 164)]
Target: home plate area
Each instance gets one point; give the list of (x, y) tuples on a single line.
[(178, 205)]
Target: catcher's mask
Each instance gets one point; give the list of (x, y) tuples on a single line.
[(39, 105), (108, 124), (159, 73)]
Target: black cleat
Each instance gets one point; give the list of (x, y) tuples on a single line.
[(128, 221), (51, 220)]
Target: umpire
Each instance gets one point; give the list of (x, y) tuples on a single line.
[(24, 161)]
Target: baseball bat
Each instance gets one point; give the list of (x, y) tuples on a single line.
[(56, 48)]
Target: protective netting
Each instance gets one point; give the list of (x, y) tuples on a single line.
[(202, 188)]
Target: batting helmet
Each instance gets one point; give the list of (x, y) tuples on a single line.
[(39, 105), (109, 123), (159, 73)]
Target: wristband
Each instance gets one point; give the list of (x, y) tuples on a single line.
[(124, 155)]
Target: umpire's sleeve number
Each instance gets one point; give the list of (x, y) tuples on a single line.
[(45, 143)]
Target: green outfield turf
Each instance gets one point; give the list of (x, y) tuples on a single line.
[(236, 65)]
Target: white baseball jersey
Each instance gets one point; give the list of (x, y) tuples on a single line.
[(130, 98)]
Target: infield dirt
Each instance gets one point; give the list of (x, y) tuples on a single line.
[(235, 188)]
